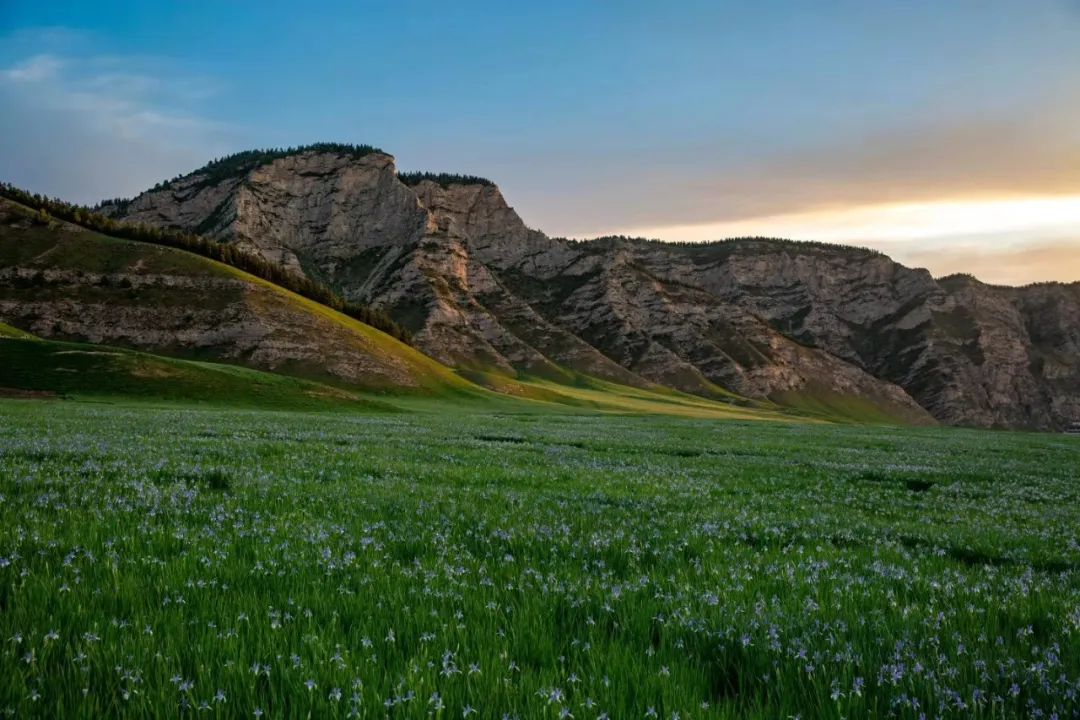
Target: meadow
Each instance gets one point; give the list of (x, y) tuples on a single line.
[(226, 563)]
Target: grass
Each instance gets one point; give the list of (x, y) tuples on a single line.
[(93, 372), (816, 401), (595, 394), (446, 563), (82, 372), (64, 248), (6, 331)]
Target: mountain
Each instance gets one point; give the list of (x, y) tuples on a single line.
[(802, 324), (68, 283), (65, 283)]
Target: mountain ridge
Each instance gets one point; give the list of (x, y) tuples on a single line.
[(760, 318)]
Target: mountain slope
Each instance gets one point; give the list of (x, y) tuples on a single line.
[(61, 282), (41, 368), (481, 291), (6, 331)]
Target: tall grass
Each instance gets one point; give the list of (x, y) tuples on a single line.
[(244, 564)]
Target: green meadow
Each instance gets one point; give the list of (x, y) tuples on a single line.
[(528, 561)]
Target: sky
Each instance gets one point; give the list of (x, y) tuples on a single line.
[(946, 134)]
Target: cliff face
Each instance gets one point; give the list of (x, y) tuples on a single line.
[(789, 321)]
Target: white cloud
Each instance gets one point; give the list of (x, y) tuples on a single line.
[(89, 128), (35, 69)]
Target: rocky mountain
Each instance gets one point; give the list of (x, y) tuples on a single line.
[(62, 282), (799, 323)]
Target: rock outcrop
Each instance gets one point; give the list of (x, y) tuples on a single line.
[(455, 264)]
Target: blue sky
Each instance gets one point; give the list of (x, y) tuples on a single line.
[(680, 119)]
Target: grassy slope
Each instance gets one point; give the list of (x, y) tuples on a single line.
[(62, 248), (819, 402), (593, 394), (81, 371), (6, 331)]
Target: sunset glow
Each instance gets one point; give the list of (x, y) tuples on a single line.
[(894, 222), (1012, 241)]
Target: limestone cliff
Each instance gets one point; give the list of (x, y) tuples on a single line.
[(454, 263)]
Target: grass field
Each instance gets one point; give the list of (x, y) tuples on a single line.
[(210, 563), (101, 373), (96, 373)]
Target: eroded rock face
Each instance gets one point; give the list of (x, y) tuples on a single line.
[(195, 309), (480, 289)]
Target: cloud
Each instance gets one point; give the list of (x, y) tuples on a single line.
[(1000, 220), (1019, 265), (86, 128), (35, 69), (974, 158), (1007, 241), (1030, 147)]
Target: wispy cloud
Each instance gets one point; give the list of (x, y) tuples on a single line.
[(90, 127), (1015, 265), (35, 69), (990, 239), (1030, 148)]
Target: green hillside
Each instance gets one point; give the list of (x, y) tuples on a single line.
[(71, 284), (44, 369), (6, 331)]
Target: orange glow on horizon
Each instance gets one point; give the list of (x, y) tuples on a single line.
[(894, 222)]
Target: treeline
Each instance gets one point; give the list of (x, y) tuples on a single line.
[(222, 252), (230, 166), (727, 243), (443, 180)]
